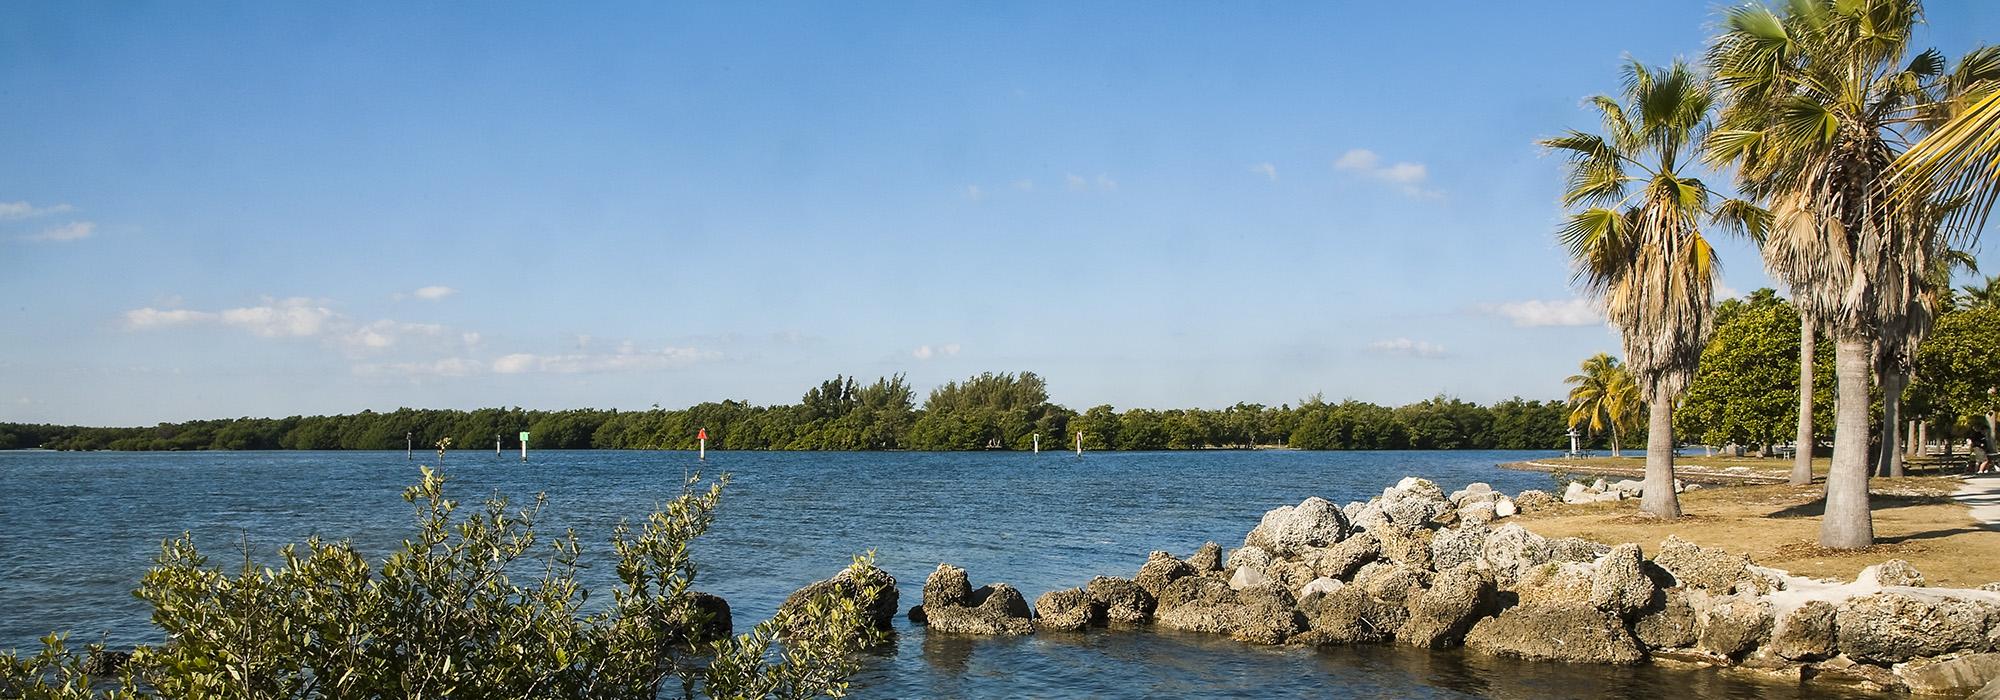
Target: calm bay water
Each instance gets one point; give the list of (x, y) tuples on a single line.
[(78, 529)]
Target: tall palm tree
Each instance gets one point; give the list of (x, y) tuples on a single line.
[(1636, 242), (1603, 399), (1817, 103)]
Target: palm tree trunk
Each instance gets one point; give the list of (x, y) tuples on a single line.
[(1659, 499), (1847, 523), (1802, 461), (1614, 439), (1892, 417)]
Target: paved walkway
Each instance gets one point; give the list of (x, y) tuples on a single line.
[(1982, 493)]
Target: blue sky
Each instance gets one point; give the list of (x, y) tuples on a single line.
[(273, 209)]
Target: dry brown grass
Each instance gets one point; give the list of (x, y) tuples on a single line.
[(1778, 526)]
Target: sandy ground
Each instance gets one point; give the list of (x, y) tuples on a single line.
[(1928, 521)]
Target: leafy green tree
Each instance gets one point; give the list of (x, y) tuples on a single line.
[(1747, 389), (450, 615), (1520, 424)]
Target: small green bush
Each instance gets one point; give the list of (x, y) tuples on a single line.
[(475, 605)]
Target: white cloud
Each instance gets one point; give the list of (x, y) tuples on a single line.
[(1537, 312), (1104, 182), (1408, 347), (1724, 291), (10, 211), (295, 317), (433, 292), (447, 367), (1024, 185), (386, 333), (1075, 182), (1078, 183), (1409, 177), (925, 352), (149, 317), (1358, 159), (1267, 170), (974, 193), (72, 231), (628, 358)]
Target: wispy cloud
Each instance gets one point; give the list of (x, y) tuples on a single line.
[(72, 231), (627, 358), (926, 352), (447, 367), (1267, 170), (1407, 348), (149, 317), (1024, 185), (433, 292), (1078, 183), (1406, 176), (974, 193), (10, 211), (1537, 312)]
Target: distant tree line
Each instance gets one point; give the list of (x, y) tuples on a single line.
[(988, 411)]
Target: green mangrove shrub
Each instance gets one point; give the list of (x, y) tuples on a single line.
[(477, 604)]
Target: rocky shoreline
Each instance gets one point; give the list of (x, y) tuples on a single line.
[(1421, 567)]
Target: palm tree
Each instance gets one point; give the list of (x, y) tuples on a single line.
[(1986, 294), (1818, 103), (1602, 398), (1637, 243)]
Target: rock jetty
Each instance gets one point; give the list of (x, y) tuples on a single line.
[(1431, 569)]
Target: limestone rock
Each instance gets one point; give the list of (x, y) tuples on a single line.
[(1287, 574), (1394, 583), (1963, 675), (1620, 585), (1578, 493), (1555, 583), (1265, 614), (1533, 500), (1894, 572), (1557, 632), (947, 585), (1194, 590), (1733, 626), (880, 607), (1891, 627), (1694, 566), (1066, 610), (1478, 513), (714, 615), (1349, 616), (1254, 557), (1667, 624), (1452, 547), (1805, 633), (993, 610), (1629, 487), (1420, 488), (1114, 599), (1314, 522), (1246, 577), (1412, 510), (1474, 490), (1441, 614), (1342, 560), (1577, 550), (1321, 585), (1409, 546), (1206, 559), (1511, 550), (1504, 507), (1159, 570)]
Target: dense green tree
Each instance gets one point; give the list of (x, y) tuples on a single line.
[(1746, 391)]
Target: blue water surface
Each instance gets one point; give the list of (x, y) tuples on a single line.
[(78, 529)]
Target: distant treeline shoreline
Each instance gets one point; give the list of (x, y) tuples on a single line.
[(989, 411)]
